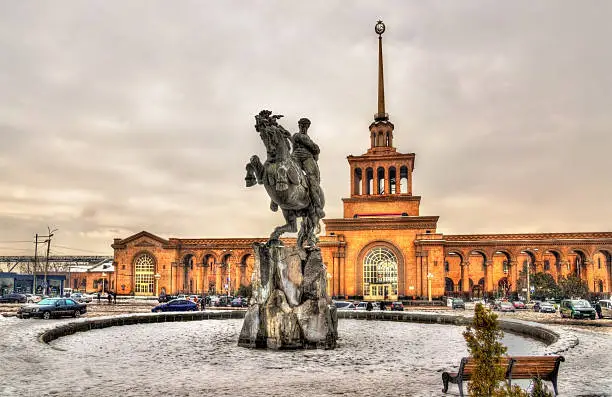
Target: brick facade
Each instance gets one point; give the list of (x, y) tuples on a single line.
[(382, 248)]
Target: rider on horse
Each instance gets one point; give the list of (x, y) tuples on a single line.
[(306, 154)]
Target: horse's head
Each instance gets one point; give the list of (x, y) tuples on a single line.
[(274, 136)]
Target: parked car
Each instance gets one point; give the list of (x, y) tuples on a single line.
[(223, 301), (506, 307), (547, 307), (519, 305), (363, 306), (495, 305), (83, 298), (576, 308), (606, 307), (344, 305), (457, 303), (176, 305), (53, 307), (397, 306), (240, 302), (13, 298), (32, 298), (166, 298)]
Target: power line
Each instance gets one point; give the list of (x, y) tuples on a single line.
[(16, 249), (79, 249)]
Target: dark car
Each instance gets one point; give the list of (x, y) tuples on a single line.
[(176, 305), (536, 306), (53, 307), (166, 298), (13, 298), (397, 306), (240, 302), (576, 308), (458, 303)]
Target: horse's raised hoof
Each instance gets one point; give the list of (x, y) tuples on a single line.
[(250, 181)]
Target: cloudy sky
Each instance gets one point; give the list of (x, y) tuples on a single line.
[(121, 116)]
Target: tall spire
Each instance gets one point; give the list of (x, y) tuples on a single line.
[(381, 115)]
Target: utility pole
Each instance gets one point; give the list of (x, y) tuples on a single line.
[(48, 241), (35, 262)]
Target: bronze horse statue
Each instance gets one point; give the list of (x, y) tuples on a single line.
[(284, 180)]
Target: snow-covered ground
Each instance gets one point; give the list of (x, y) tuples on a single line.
[(202, 358)]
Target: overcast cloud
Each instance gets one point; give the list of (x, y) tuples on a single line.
[(121, 116)]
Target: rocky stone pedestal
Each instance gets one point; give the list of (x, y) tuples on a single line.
[(290, 308)]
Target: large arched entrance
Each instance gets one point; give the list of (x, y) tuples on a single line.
[(380, 274), (246, 270), (144, 271)]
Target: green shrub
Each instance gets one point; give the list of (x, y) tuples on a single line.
[(483, 339)]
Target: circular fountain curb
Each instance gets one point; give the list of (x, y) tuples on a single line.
[(557, 341)]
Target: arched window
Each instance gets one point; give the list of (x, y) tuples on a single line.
[(144, 270), (380, 273)]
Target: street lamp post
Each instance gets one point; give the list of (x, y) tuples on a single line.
[(430, 277), (103, 280), (157, 276), (229, 278)]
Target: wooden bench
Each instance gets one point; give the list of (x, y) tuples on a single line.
[(529, 367), (465, 371), (516, 367)]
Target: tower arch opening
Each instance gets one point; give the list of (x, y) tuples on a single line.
[(357, 181), (380, 175)]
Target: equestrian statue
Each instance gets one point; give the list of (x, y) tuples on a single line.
[(291, 178)]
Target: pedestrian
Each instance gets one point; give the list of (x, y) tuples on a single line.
[(203, 303), (382, 306), (109, 296), (598, 310), (115, 298), (369, 306), (98, 297)]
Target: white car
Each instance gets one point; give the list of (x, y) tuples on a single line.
[(364, 306), (344, 305), (32, 298)]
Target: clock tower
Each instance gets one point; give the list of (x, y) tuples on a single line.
[(376, 256)]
